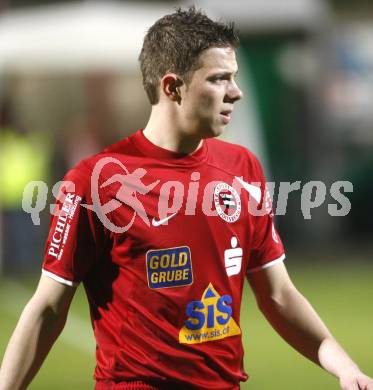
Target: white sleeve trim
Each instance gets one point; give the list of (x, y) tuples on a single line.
[(59, 279), (267, 265)]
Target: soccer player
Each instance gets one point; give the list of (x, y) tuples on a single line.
[(162, 229)]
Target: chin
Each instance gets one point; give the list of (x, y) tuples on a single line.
[(211, 131), (216, 131)]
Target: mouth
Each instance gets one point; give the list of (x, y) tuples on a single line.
[(226, 116)]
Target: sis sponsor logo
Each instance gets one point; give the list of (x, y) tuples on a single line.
[(209, 319)]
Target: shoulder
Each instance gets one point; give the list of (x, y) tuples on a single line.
[(232, 156), (111, 155)]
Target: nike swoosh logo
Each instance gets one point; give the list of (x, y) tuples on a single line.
[(254, 191), (162, 221)]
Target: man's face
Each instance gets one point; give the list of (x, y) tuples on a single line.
[(207, 101)]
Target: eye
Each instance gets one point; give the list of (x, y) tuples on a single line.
[(218, 79)]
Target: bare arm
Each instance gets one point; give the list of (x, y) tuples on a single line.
[(41, 322), (291, 315)]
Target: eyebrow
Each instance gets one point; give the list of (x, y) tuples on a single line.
[(222, 74)]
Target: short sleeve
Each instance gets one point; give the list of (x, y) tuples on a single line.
[(267, 248), (76, 235)]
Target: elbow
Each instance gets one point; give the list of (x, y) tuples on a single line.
[(268, 305), (54, 319), (277, 301), (45, 314)]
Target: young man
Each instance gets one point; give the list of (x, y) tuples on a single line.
[(161, 230)]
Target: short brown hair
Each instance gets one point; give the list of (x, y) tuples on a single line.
[(175, 42)]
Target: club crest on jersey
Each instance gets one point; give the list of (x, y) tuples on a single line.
[(227, 202), (171, 267), (209, 319)]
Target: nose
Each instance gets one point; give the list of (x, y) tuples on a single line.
[(233, 93)]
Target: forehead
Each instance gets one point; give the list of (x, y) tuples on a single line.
[(217, 59)]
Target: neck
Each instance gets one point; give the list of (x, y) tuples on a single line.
[(163, 130)]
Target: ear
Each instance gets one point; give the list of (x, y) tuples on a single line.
[(170, 86)]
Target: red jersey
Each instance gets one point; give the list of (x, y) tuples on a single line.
[(162, 243)]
